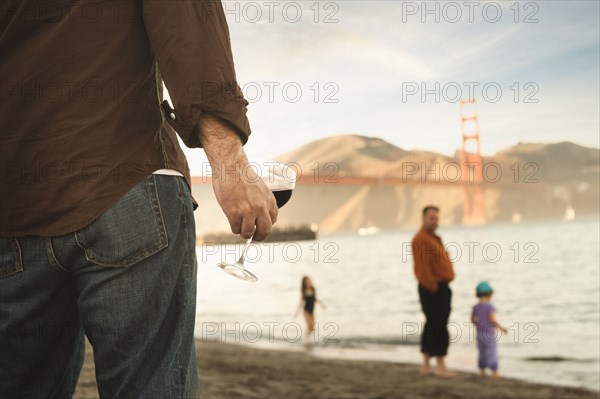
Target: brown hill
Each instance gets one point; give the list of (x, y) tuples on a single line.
[(347, 155), (536, 181), (361, 156), (556, 162)]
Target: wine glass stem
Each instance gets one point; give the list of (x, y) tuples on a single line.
[(241, 261)]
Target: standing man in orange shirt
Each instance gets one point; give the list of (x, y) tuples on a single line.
[(434, 271)]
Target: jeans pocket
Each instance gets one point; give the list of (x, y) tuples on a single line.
[(129, 231), (10, 257)]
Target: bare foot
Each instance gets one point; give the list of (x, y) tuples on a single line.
[(425, 370), (445, 373)]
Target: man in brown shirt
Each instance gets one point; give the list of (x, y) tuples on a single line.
[(97, 230), (434, 271)]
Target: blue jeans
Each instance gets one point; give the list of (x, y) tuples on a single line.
[(127, 281)]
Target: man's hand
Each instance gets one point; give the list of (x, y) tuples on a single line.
[(248, 204)]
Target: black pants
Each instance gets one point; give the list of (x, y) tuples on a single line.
[(436, 307)]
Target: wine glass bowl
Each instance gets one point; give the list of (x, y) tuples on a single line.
[(281, 180)]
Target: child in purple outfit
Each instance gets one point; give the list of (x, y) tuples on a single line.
[(484, 318)]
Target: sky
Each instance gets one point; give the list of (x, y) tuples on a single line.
[(397, 70)]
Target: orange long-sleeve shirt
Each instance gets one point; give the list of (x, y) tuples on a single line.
[(431, 261)]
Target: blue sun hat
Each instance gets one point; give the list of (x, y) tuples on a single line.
[(483, 288)]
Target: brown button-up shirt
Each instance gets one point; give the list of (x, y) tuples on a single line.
[(431, 261), (82, 118)]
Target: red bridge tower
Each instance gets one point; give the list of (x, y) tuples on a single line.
[(471, 165)]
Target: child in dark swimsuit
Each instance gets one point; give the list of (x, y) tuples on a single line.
[(308, 299), (309, 303)]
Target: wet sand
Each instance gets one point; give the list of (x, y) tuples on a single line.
[(233, 371)]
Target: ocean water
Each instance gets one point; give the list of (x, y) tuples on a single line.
[(545, 275)]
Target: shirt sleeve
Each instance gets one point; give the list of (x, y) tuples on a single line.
[(444, 270), (191, 43), (422, 266), (443, 266)]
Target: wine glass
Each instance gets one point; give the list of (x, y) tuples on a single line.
[(281, 180)]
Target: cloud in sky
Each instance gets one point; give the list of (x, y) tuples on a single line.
[(352, 73)]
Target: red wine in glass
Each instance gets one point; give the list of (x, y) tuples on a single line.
[(281, 180)]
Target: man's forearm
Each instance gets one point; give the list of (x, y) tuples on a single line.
[(222, 146), (245, 199)]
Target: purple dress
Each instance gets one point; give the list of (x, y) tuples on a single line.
[(487, 336)]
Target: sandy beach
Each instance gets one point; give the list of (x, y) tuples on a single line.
[(233, 371)]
